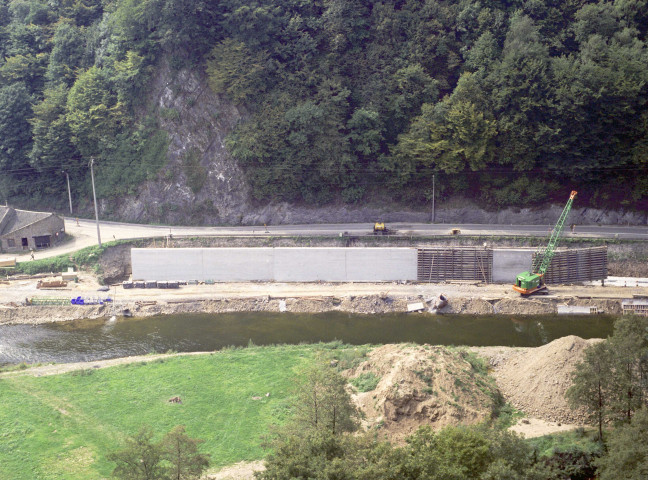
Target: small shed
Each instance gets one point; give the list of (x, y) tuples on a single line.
[(25, 230)]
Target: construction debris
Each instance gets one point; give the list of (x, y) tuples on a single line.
[(51, 284), (415, 307)]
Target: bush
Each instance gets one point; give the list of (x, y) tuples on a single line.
[(365, 382)]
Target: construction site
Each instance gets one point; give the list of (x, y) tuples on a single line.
[(380, 273)]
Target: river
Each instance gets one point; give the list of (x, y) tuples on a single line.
[(89, 340)]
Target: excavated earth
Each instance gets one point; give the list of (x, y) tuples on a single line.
[(535, 380), (439, 386), (421, 385)]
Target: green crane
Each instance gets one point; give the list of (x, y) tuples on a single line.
[(530, 282)]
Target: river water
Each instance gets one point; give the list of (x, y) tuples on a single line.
[(89, 340)]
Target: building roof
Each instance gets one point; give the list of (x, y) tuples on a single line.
[(12, 219)]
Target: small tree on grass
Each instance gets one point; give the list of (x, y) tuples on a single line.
[(629, 358), (323, 403), (176, 457), (590, 380), (140, 459), (313, 443), (181, 451)]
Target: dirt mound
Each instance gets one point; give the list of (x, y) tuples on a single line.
[(535, 379), (422, 385)]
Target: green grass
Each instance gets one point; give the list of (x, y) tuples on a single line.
[(86, 257), (505, 415), (63, 426)]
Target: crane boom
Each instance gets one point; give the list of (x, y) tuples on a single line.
[(529, 282), (550, 249)]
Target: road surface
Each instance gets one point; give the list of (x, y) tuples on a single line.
[(84, 232)]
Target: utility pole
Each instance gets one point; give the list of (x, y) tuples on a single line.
[(433, 210), (69, 192), (94, 195)]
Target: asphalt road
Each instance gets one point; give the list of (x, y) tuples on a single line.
[(84, 232)]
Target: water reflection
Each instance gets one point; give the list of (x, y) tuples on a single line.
[(88, 340)]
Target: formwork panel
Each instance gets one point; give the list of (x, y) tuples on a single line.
[(458, 263), (577, 265)]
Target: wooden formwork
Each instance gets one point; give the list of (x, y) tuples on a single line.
[(577, 265), (457, 263)]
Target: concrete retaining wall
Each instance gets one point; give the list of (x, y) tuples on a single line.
[(508, 263), (275, 264), (329, 265)]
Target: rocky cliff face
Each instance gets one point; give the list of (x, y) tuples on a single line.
[(203, 184)]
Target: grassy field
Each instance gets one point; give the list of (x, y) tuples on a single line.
[(63, 426)]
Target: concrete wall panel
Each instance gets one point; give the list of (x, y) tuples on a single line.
[(381, 264), (238, 264), (508, 263), (275, 264), (310, 264), (167, 263)]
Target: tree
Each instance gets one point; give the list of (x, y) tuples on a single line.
[(322, 402), (181, 451), (53, 149), (15, 139), (451, 136), (470, 452), (627, 456), (314, 443), (94, 115), (175, 457), (520, 87), (140, 459), (610, 382), (236, 71), (590, 384), (629, 360), (67, 54)]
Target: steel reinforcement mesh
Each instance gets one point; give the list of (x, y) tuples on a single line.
[(577, 265), (458, 263)]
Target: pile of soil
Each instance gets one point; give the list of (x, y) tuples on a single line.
[(535, 380), (421, 385)]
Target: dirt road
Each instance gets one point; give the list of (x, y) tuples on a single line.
[(468, 298)]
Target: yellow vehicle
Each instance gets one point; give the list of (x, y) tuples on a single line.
[(379, 228)]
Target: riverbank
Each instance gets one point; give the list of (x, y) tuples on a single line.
[(362, 298)]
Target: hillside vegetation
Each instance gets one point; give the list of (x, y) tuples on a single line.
[(509, 103)]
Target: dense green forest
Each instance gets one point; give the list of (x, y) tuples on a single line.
[(508, 103)]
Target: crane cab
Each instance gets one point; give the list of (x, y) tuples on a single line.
[(527, 283)]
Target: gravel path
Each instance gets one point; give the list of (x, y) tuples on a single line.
[(59, 368)]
